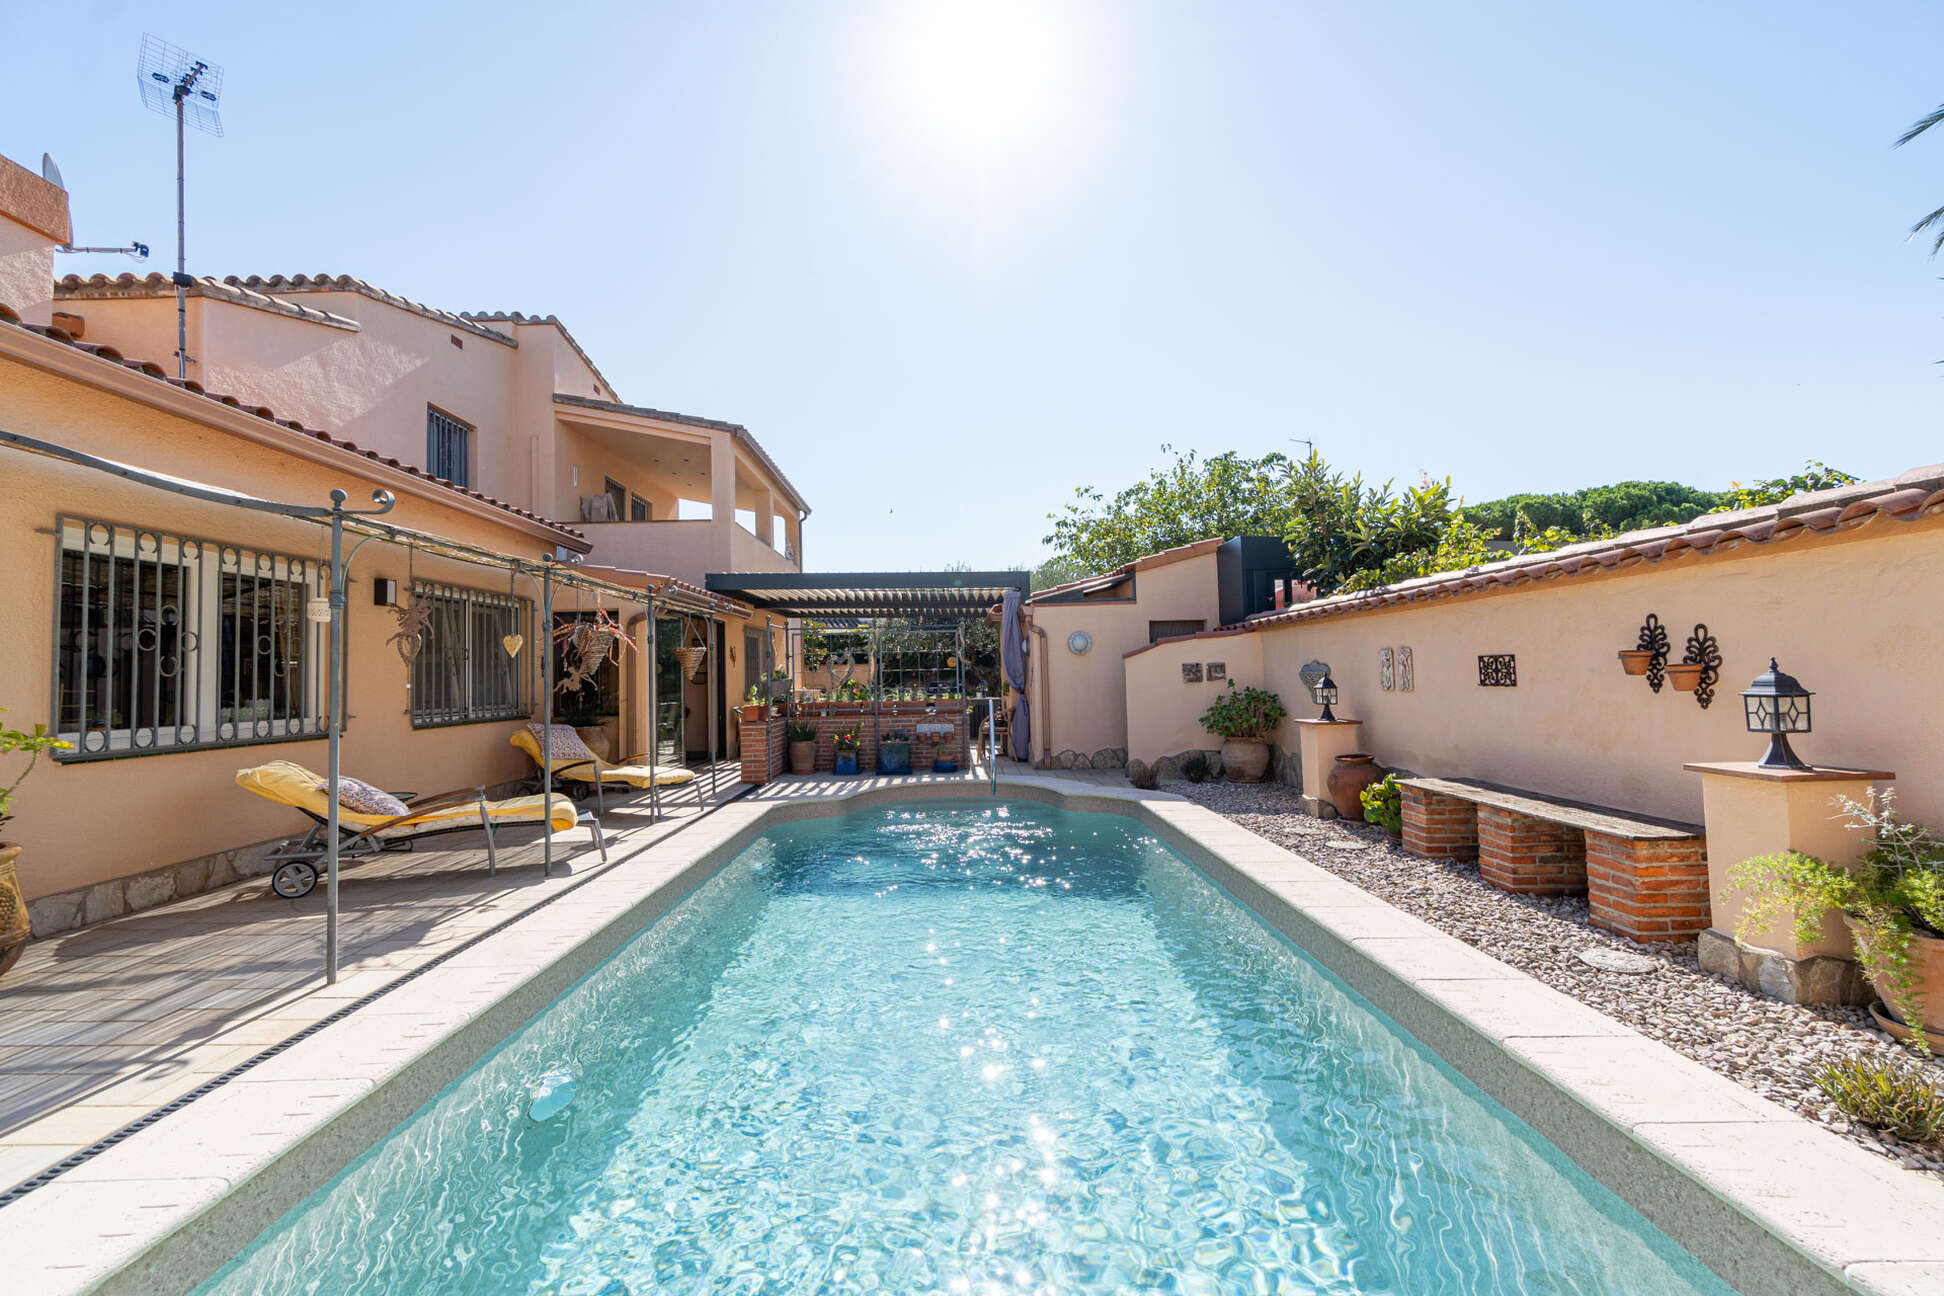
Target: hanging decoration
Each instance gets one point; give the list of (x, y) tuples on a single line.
[(413, 617), (513, 642), (585, 643), (691, 656)]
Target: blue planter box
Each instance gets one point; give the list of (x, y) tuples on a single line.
[(894, 757), (846, 762)]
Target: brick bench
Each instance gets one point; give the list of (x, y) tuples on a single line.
[(1644, 878)]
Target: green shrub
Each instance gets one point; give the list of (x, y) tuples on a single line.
[(1383, 804), (1246, 714), (1894, 892), (802, 731), (1885, 1095)]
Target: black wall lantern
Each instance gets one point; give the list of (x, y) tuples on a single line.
[(1778, 706), (1324, 694)]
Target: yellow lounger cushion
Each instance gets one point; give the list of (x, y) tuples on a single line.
[(639, 776), (288, 783)]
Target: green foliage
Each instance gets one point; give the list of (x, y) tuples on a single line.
[(1623, 506), (1246, 714), (1894, 892), (803, 731), (1885, 1095), (13, 741), (846, 740), (1338, 526), (1815, 476), (851, 690), (1058, 570), (1191, 499), (1383, 804), (1196, 768), (1934, 221)]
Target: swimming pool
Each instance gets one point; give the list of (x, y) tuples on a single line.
[(961, 1048)]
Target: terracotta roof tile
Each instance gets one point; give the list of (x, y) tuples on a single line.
[(1908, 497), (517, 317), (101, 288), (10, 319), (277, 288)]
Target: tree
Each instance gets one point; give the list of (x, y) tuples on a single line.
[(1466, 543), (1623, 506), (1339, 527), (1934, 221), (1815, 476), (1191, 499)]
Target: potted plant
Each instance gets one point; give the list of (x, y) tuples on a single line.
[(1244, 718), (1383, 805), (803, 747), (846, 743), (1892, 901), (14, 925), (754, 709)]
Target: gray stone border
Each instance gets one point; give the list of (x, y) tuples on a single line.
[(1766, 1199)]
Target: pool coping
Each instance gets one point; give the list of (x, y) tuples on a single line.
[(1767, 1199)]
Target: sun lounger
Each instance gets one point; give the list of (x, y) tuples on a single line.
[(575, 768), (361, 835)]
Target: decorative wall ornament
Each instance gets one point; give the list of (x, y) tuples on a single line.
[(1386, 669), (1217, 671), (1703, 651), (1498, 670), (513, 644), (1648, 656), (1077, 643), (1405, 682), (1312, 672), (1191, 672)]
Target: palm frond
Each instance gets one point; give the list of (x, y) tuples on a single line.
[(1921, 125), (1935, 218)]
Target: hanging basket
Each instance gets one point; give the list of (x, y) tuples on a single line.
[(692, 659)]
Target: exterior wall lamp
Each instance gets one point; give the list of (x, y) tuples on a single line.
[(1324, 694), (1777, 705)]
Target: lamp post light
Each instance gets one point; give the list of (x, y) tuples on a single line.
[(1324, 694), (1777, 705)]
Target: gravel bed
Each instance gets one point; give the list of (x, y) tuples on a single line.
[(1759, 1043)]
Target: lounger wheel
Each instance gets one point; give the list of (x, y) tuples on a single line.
[(294, 879)]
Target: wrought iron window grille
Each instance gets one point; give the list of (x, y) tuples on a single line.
[(174, 643), (462, 672)]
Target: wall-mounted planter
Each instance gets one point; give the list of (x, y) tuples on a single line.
[(1685, 676), (1635, 661)]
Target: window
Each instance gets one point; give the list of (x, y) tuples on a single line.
[(448, 447), (164, 643), (618, 496), (1159, 630), (462, 671), (640, 510)]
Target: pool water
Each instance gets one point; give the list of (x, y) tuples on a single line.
[(967, 1048)]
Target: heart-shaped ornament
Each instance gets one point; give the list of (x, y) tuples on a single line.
[(513, 644)]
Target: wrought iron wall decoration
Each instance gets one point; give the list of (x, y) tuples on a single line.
[(1313, 671), (1498, 670), (1653, 639), (1405, 681), (1217, 671), (1386, 669), (1191, 672), (1703, 651)]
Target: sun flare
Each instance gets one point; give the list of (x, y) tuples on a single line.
[(978, 80)]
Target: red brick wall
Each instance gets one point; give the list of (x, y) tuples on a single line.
[(764, 747), (894, 718), (1530, 856), (1648, 890), (1439, 827)]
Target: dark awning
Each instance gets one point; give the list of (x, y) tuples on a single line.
[(820, 595)]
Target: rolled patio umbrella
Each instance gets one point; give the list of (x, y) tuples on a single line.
[(1012, 657)]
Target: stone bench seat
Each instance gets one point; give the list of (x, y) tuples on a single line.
[(1644, 877)]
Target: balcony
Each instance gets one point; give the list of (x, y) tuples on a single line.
[(688, 550)]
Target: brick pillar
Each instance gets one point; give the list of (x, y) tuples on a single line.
[(757, 746), (1530, 856), (1648, 890), (1439, 827)]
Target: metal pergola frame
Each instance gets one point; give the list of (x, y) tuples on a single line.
[(551, 573)]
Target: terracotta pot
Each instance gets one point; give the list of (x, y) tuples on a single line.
[(1354, 772), (1685, 676), (803, 757), (1635, 661), (753, 712), (14, 926), (1245, 760), (1926, 959)]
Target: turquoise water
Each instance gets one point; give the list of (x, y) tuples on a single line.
[(976, 1049)]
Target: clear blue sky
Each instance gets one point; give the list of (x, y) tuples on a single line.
[(955, 262)]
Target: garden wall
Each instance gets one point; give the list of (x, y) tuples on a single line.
[(1857, 614)]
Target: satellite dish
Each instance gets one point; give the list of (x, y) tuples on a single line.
[(50, 172)]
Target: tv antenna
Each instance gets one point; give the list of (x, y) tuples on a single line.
[(175, 82)]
